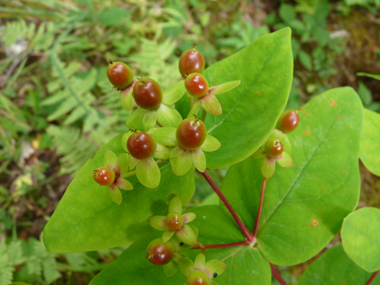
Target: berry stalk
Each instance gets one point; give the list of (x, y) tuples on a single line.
[(260, 208), (229, 207), (371, 278), (277, 275), (199, 246)]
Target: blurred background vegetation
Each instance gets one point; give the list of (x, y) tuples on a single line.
[(57, 107)]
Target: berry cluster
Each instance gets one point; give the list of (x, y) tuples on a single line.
[(277, 147)]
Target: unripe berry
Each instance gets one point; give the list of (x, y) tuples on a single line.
[(274, 147), (191, 61), (104, 176), (196, 84), (147, 93), (174, 220), (288, 121), (198, 277), (191, 133), (119, 74), (141, 145), (159, 252)]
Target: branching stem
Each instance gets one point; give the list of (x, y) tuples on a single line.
[(277, 275), (229, 207), (371, 278), (260, 208), (204, 114)]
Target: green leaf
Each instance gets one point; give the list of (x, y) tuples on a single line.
[(287, 13), (174, 93), (245, 264), (199, 159), (110, 159), (165, 136), (134, 120), (210, 144), (334, 267), (181, 163), (251, 110), (168, 116), (305, 59), (115, 195), (375, 76), (211, 105), (149, 120), (113, 16), (87, 219), (370, 142), (175, 205), (224, 87), (361, 239), (365, 94), (300, 213)]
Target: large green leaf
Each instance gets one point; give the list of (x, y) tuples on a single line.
[(87, 219), (370, 142), (245, 264), (334, 267), (361, 239), (304, 206), (251, 110)]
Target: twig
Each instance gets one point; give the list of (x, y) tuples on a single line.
[(277, 275), (225, 201), (260, 208), (371, 278)]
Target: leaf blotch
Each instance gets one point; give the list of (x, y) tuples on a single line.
[(332, 103), (306, 132), (339, 117), (314, 222)]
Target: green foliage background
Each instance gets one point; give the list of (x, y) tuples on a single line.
[(57, 107)]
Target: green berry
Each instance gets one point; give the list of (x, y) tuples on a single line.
[(191, 133), (191, 61), (288, 121), (147, 93), (198, 277), (274, 147), (119, 74), (159, 252), (174, 220), (104, 176), (196, 85), (141, 145)]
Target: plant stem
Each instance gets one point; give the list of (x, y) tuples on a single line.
[(371, 278), (204, 114), (260, 208), (277, 275), (220, 245), (225, 201)]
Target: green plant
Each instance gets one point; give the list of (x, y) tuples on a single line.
[(305, 202)]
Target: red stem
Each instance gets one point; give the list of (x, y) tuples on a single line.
[(220, 245), (260, 208), (232, 211), (371, 278), (277, 275)]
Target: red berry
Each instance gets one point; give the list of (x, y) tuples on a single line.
[(274, 147), (196, 84), (198, 277), (174, 220), (104, 176), (119, 74), (288, 121), (159, 252), (147, 93), (191, 133), (191, 61), (141, 145)]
